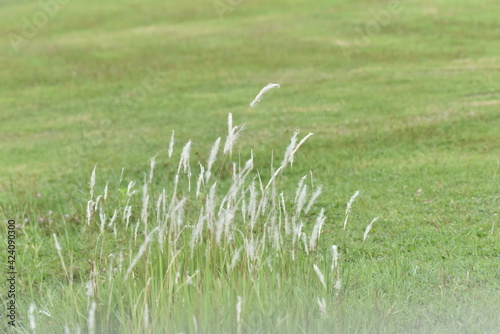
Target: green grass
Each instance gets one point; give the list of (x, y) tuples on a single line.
[(411, 121)]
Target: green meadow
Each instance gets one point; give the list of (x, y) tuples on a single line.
[(402, 98)]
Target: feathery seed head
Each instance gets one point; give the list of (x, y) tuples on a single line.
[(171, 145), (368, 228), (264, 90), (320, 276)]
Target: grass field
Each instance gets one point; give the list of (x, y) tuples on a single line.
[(403, 98)]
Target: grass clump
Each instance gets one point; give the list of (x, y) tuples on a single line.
[(189, 253)]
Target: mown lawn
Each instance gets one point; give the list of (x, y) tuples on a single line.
[(406, 110)]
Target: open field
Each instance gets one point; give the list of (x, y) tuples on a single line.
[(403, 98)]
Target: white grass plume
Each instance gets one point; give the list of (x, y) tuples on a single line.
[(120, 261), (288, 153), (211, 159), (244, 207), (96, 203), (232, 134), (314, 196), (152, 167), (335, 257), (368, 228), (159, 205), (317, 230), (262, 92), (322, 306), (297, 231), (184, 161), (129, 189), (320, 276), (195, 323), (236, 258), (228, 146), (301, 142), (290, 158), (103, 218), (301, 199), (90, 211), (113, 218), (171, 145), (251, 249), (127, 213), (90, 289), (210, 206), (179, 210), (306, 247), (238, 310), (45, 313), (337, 286), (349, 205), (31, 316), (197, 231), (92, 182), (200, 180), (299, 187), (106, 192)]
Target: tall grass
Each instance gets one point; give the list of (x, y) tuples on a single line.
[(192, 252)]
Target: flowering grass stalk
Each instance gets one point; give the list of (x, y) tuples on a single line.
[(238, 311), (349, 206), (262, 92), (322, 306), (171, 145), (31, 317), (321, 277), (368, 228), (92, 182)]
